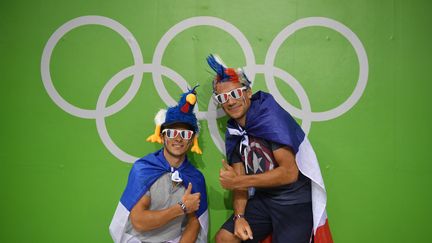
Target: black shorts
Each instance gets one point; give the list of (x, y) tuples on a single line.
[(286, 223)]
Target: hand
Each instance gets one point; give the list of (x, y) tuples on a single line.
[(191, 201), (242, 229), (227, 176)]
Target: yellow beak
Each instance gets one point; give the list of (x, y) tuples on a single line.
[(191, 99)]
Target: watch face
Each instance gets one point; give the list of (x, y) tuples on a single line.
[(183, 206)]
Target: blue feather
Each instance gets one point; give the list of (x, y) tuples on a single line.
[(218, 66)]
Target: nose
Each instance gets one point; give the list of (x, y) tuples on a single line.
[(231, 100), (178, 138)]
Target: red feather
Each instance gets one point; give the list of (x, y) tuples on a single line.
[(232, 74)]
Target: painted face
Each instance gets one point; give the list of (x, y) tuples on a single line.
[(177, 139), (237, 102)]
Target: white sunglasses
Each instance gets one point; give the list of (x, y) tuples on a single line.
[(172, 133), (235, 93)]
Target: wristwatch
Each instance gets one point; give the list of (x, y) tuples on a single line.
[(237, 216), (183, 206)]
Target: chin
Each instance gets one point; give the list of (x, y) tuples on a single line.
[(178, 151), (235, 115)]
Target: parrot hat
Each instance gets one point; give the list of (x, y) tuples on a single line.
[(183, 112)]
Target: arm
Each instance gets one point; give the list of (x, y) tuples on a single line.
[(143, 219), (286, 173), (241, 227), (191, 231), (240, 195)]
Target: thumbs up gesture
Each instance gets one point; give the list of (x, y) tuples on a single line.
[(227, 176), (191, 201)]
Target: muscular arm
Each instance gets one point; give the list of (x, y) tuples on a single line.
[(192, 229), (240, 195), (286, 173), (143, 219), (241, 227)]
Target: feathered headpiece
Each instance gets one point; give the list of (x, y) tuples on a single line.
[(181, 113), (225, 74)]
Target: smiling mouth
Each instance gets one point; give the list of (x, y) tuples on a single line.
[(234, 108), (177, 145)]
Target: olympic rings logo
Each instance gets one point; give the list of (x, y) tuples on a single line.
[(157, 70)]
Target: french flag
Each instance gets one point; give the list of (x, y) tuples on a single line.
[(268, 120), (143, 174)]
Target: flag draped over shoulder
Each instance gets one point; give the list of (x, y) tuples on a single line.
[(143, 174), (266, 119)]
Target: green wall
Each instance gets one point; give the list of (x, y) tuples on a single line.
[(60, 179)]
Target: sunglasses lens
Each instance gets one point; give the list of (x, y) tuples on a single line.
[(171, 133), (237, 93), (186, 134), (222, 98), (218, 98)]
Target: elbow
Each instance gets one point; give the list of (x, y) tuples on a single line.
[(288, 177), (138, 226), (194, 221)]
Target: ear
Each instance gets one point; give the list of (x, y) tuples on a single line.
[(249, 92)]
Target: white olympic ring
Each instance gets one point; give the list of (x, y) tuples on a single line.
[(358, 47), (157, 70), (46, 60)]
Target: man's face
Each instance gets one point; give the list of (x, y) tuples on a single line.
[(177, 146), (235, 108)]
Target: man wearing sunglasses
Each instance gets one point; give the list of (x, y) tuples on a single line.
[(271, 195), (165, 198)]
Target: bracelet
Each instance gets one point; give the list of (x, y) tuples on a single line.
[(183, 206), (237, 216)]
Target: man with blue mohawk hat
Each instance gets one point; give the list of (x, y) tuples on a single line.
[(165, 198), (272, 169)]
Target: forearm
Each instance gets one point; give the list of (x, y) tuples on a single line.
[(273, 178), (240, 198), (152, 219), (240, 195), (192, 229), (242, 229)]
